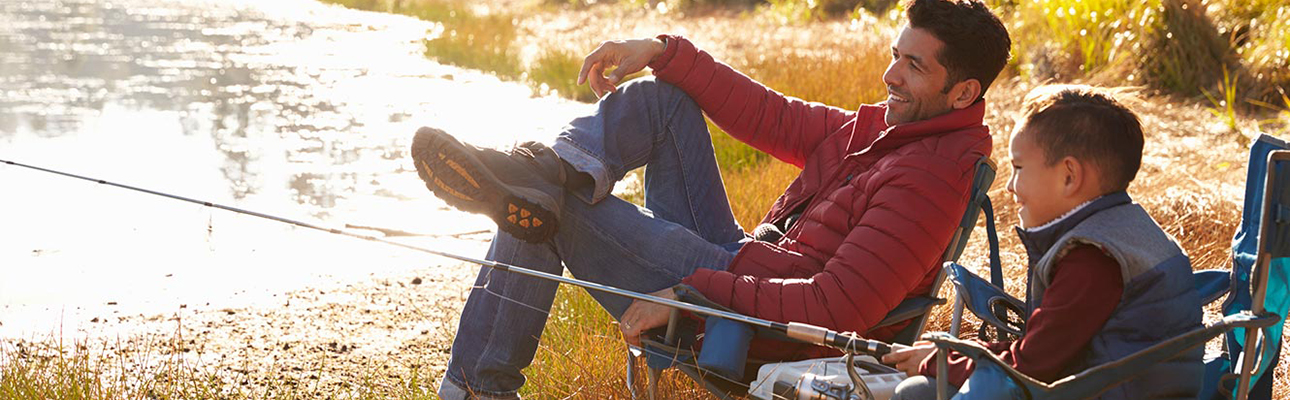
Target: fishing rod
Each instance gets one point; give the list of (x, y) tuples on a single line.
[(846, 342)]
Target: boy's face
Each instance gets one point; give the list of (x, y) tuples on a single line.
[(915, 78), (1036, 186)]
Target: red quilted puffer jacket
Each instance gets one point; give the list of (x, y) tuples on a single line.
[(881, 202)]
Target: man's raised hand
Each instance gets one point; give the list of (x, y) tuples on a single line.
[(629, 56)]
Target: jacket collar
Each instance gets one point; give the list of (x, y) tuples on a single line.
[(1039, 240), (901, 134)]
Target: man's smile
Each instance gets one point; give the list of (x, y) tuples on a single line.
[(892, 97)]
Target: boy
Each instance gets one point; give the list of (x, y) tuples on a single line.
[(1104, 280)]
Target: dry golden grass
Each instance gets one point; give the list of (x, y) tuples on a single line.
[(52, 369), (1191, 179), (582, 356), (752, 190)]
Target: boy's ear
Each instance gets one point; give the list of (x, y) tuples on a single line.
[(1074, 176), (964, 93)]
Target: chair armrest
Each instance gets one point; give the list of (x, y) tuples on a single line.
[(689, 294), (1094, 381), (1001, 377), (909, 309), (1212, 284), (980, 297)]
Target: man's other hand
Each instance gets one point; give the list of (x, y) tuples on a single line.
[(642, 316), (629, 56), (908, 359)]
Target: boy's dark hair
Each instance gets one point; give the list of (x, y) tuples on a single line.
[(976, 42), (1088, 124)]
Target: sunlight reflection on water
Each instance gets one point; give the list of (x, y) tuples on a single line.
[(290, 108)]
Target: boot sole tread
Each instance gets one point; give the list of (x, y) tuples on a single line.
[(461, 180)]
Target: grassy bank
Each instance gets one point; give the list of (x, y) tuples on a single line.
[(138, 367), (50, 369)]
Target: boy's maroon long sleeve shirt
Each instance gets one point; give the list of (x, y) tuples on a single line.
[(1086, 288)]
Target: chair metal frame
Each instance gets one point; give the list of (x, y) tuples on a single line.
[(1259, 281)]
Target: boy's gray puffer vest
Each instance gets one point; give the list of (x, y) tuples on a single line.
[(1159, 300)]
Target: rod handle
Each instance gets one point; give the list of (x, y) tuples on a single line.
[(807, 333), (847, 342)]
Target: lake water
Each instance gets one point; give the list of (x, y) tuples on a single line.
[(287, 107)]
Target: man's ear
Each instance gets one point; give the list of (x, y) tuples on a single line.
[(964, 93), (1074, 176)]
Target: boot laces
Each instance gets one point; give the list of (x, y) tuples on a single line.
[(531, 150)]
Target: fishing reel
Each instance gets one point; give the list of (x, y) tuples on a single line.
[(851, 377), (853, 385), (815, 387)]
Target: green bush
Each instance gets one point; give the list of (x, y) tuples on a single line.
[(557, 71), (1170, 45), (701, 5), (1187, 56), (481, 42), (1061, 38), (1260, 32), (834, 8), (812, 10)]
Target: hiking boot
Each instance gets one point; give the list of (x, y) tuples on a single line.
[(522, 190)]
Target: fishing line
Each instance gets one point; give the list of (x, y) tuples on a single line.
[(847, 343), (301, 224)]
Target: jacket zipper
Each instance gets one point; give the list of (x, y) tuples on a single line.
[(815, 198)]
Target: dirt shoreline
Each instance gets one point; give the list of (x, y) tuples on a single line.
[(320, 342)]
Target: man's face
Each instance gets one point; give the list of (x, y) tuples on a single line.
[(1035, 185), (915, 78)]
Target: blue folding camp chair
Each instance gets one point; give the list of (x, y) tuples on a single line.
[(1258, 297), (669, 347)]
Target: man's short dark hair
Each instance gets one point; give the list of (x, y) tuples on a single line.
[(1089, 124), (976, 42)]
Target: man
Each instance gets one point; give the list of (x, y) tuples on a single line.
[(881, 191)]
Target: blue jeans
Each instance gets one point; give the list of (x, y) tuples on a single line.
[(686, 224), (918, 387)]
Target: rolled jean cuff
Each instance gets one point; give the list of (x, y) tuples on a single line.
[(583, 161), (449, 389)]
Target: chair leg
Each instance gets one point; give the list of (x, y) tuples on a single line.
[(957, 319), (653, 378), (632, 353), (1248, 359), (943, 381)]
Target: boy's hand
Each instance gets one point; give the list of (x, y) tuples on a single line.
[(643, 315), (908, 359), (628, 55)]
